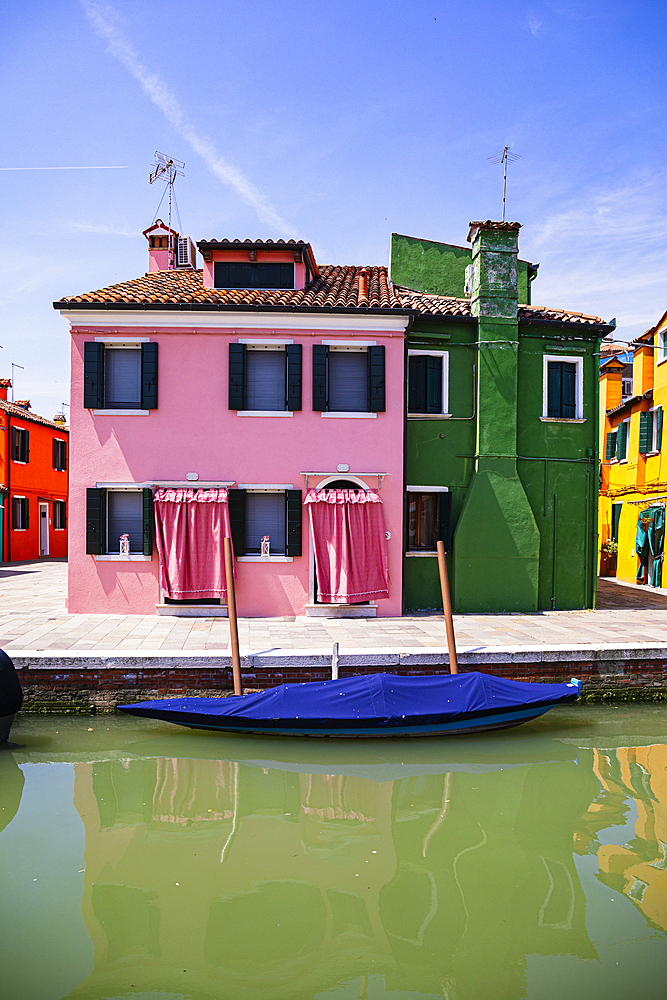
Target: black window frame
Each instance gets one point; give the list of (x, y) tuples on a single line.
[(60, 454), (376, 378), (238, 375), (94, 353), (443, 519), (96, 520), (59, 515), (253, 274), (20, 446), (20, 514), (293, 522)]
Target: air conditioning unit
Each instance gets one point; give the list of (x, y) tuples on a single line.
[(186, 252), (627, 387), (468, 280)]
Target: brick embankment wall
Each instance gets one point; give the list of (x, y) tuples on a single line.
[(85, 684)]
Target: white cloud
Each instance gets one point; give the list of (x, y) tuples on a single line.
[(535, 25), (605, 253), (104, 20)]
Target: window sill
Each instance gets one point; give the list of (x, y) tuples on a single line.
[(429, 416), (19, 529), (430, 554), (116, 557), (60, 470), (59, 529), (265, 413), (121, 413), (342, 414), (265, 559), (563, 420), (17, 461)]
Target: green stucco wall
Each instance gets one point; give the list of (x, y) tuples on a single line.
[(439, 268), (523, 489)]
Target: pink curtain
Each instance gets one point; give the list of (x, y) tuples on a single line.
[(190, 526), (350, 545)]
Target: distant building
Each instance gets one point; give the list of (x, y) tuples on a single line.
[(633, 481), (34, 459)]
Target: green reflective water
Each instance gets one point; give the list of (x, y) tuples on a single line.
[(143, 860)]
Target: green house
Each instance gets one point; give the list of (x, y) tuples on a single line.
[(502, 429)]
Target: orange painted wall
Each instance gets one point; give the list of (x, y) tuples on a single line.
[(36, 480)]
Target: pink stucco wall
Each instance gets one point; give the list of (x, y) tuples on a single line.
[(194, 431)]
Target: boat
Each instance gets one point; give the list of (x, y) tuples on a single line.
[(11, 695), (369, 705)]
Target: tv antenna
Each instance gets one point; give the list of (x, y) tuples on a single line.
[(13, 367), (166, 168), (505, 157)]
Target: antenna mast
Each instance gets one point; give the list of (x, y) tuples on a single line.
[(167, 168), (505, 157)]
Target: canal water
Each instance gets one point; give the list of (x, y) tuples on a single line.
[(142, 860)]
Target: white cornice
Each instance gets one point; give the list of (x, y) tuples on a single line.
[(157, 321)]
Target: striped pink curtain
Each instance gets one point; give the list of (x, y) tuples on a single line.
[(190, 527), (350, 545)]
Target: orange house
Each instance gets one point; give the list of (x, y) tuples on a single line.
[(34, 481)]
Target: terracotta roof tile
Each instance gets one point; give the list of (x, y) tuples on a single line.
[(13, 410), (336, 287)]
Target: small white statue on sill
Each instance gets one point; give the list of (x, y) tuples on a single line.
[(125, 545), (265, 550)]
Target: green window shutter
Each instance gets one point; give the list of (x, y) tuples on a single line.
[(320, 380), (26, 440), (433, 384), (554, 388), (237, 520), (294, 372), (237, 354), (149, 354), (445, 520), (568, 389), (622, 442), (645, 441), (376, 379), (148, 520), (93, 375), (658, 428), (26, 507), (417, 384), (293, 503), (96, 510), (610, 451)]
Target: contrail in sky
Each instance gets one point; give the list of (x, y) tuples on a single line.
[(103, 18), (63, 168)]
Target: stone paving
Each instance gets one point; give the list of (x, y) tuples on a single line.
[(33, 618)]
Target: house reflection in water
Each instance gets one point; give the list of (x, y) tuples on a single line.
[(638, 869), (214, 878)]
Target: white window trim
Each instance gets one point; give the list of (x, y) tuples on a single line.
[(123, 341), (121, 413), (342, 415), (579, 387), (265, 487), (265, 559), (445, 384), (361, 344), (427, 489), (266, 342), (613, 460), (661, 345), (116, 557), (263, 413), (420, 553)]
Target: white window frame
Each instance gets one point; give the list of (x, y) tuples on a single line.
[(349, 347), (579, 389), (278, 490), (116, 556), (129, 344), (253, 344), (661, 345), (444, 414), (654, 433), (17, 497)]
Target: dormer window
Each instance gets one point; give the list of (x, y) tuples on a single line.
[(239, 274)]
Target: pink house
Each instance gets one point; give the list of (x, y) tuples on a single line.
[(261, 396)]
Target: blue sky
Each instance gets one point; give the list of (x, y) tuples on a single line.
[(333, 123)]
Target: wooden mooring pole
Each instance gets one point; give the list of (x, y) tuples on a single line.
[(447, 608), (231, 613)]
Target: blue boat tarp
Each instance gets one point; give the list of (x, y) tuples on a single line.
[(383, 699)]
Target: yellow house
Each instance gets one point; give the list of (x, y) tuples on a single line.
[(633, 476)]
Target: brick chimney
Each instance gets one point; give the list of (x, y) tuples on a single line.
[(5, 384)]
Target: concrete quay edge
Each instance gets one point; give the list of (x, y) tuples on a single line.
[(611, 655)]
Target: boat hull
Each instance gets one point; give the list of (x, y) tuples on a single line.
[(229, 715)]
